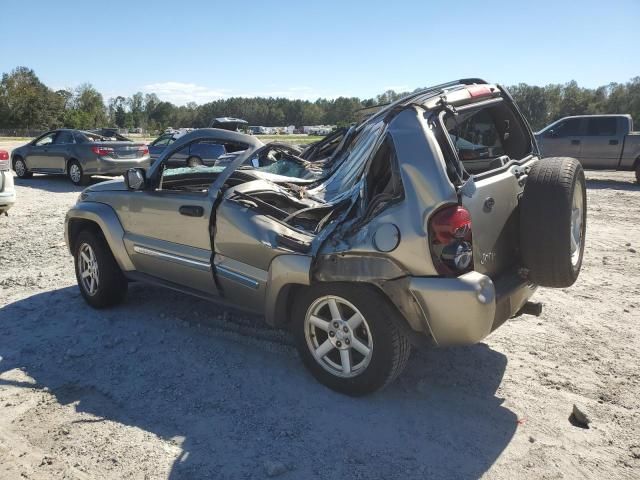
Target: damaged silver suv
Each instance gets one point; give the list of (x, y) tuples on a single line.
[(432, 221)]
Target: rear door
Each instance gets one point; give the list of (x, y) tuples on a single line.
[(602, 144), (564, 139), (494, 203)]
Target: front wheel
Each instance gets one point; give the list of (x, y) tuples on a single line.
[(21, 169), (638, 171), (101, 282), (349, 338)]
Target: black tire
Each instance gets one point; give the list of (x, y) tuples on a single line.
[(638, 171), (77, 179), (390, 346), (112, 284), (194, 161), (546, 226), (21, 170)]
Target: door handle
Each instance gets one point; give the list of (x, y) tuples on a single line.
[(191, 211), (613, 142), (575, 142)]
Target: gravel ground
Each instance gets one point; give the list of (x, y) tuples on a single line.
[(167, 386)]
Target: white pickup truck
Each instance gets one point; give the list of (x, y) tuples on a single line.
[(599, 142)]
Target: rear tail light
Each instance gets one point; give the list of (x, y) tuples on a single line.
[(102, 151), (451, 241), (144, 150), (4, 160)]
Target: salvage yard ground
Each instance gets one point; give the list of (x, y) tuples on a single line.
[(167, 386)]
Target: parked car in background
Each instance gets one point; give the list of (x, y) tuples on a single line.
[(200, 153), (599, 142), (7, 190), (394, 241), (204, 153), (78, 154), (110, 134), (229, 123)]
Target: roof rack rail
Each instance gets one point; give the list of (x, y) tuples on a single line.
[(469, 81)]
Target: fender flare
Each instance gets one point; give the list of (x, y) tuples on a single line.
[(107, 220)]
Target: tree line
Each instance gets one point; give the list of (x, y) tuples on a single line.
[(27, 103)]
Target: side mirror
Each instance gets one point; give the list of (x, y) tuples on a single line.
[(552, 133), (135, 178)]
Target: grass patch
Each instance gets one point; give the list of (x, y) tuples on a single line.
[(295, 139)]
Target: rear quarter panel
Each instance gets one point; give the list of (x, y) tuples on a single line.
[(426, 188), (631, 152)]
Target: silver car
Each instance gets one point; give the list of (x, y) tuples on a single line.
[(431, 223), (79, 155)]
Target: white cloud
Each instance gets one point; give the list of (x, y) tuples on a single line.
[(398, 88), (181, 93), (293, 93)]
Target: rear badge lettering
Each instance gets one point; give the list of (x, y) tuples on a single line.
[(488, 257)]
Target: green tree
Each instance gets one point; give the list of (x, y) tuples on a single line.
[(25, 102)]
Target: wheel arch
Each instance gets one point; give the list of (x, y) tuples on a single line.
[(68, 162), (14, 157), (103, 219), (279, 313)]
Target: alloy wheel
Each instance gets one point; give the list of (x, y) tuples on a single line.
[(88, 269), (576, 224), (338, 336), (20, 168), (75, 173)]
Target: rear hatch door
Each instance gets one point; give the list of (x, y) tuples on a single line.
[(493, 207)]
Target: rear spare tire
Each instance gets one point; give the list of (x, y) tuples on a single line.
[(553, 216)]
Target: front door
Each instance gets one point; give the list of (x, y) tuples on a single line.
[(39, 156), (158, 146), (564, 139), (167, 236)]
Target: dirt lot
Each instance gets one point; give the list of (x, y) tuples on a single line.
[(166, 386)]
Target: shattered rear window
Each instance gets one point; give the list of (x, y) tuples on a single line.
[(351, 163)]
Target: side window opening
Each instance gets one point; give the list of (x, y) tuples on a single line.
[(383, 183), (567, 128), (602, 127)]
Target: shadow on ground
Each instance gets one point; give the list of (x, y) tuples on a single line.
[(607, 184), (167, 364), (55, 183)]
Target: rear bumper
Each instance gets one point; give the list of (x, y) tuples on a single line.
[(103, 166), (464, 310), (7, 191)]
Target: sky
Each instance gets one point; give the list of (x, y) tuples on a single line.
[(202, 50)]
